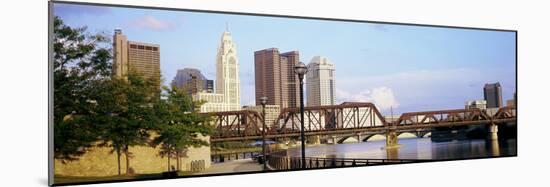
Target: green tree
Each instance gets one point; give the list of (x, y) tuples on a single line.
[(125, 114), (80, 60), (91, 107), (179, 124)]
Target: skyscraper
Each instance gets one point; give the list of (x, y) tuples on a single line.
[(267, 70), (137, 57), (493, 95), (120, 54), (193, 81), (227, 94), (275, 77), (227, 72), (290, 79), (320, 82)]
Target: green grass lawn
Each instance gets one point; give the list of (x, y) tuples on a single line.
[(69, 179)]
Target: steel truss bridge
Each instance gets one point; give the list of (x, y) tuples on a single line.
[(348, 118)]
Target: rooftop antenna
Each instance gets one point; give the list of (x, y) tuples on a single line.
[(226, 27)]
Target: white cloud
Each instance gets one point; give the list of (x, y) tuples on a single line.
[(382, 97)]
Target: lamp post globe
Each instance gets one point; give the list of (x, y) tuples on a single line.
[(263, 100), (301, 70)]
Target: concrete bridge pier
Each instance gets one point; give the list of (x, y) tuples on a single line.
[(359, 137), (493, 139), (493, 131), (314, 140), (391, 139), (334, 139)]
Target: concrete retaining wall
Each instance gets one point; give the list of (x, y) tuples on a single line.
[(100, 162)]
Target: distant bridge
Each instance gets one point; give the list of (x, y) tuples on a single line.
[(351, 119)]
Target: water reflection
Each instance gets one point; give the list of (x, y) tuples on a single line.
[(413, 148), (391, 153), (495, 149)]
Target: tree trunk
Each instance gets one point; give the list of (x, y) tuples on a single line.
[(168, 161), (178, 161), (127, 153), (118, 158)]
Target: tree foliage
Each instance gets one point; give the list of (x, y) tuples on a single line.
[(80, 62), (180, 124)]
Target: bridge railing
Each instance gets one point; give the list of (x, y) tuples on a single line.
[(319, 118), (505, 113), (442, 116), (236, 123), (292, 163), (216, 158)]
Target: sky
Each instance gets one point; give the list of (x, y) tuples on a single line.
[(398, 67)]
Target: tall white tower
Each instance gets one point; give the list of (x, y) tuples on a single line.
[(320, 82), (227, 73)]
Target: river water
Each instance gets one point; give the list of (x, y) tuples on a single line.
[(413, 148)]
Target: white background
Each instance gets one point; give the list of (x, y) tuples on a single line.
[(23, 94)]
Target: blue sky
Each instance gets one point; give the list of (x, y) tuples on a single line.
[(407, 68)]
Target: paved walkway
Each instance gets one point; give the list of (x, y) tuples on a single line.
[(242, 165)]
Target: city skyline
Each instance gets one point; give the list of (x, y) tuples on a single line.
[(397, 66)]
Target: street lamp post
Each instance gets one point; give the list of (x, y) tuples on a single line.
[(263, 101), (301, 70)]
